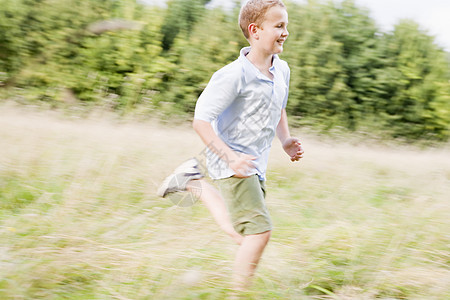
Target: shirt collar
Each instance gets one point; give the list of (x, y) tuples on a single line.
[(249, 69)]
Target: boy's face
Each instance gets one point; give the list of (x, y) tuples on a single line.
[(272, 33)]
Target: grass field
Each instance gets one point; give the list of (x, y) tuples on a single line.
[(79, 218)]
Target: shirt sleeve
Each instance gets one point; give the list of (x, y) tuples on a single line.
[(221, 91), (287, 79)]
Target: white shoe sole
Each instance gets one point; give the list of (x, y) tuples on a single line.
[(185, 167)]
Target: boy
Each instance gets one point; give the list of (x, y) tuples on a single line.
[(237, 117)]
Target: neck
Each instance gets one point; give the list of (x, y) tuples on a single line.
[(261, 61)]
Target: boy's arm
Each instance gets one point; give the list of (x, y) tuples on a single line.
[(240, 163), (291, 146)]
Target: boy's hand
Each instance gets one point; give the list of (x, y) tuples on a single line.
[(242, 165), (293, 148)]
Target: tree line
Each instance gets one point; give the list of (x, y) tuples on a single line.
[(125, 55)]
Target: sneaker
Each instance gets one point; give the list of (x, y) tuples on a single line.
[(177, 181)]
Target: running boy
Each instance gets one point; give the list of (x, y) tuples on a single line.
[(237, 116)]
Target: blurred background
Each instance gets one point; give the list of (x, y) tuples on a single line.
[(95, 103), (352, 68)]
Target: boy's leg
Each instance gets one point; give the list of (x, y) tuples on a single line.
[(216, 205), (188, 176), (251, 246), (247, 258), (245, 201)]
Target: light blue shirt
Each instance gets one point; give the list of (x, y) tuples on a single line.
[(244, 108)]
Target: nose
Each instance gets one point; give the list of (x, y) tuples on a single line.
[(285, 32)]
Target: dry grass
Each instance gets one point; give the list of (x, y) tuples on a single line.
[(79, 218)]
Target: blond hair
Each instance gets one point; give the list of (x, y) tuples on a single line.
[(254, 11)]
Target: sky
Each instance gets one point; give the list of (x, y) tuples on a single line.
[(432, 15)]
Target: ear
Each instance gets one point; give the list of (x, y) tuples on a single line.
[(253, 31)]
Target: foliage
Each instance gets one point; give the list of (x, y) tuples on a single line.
[(58, 52), (197, 64), (344, 72), (181, 17), (419, 101)]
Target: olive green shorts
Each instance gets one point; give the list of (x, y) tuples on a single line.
[(245, 200)]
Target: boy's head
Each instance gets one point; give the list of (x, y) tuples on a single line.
[(254, 11)]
